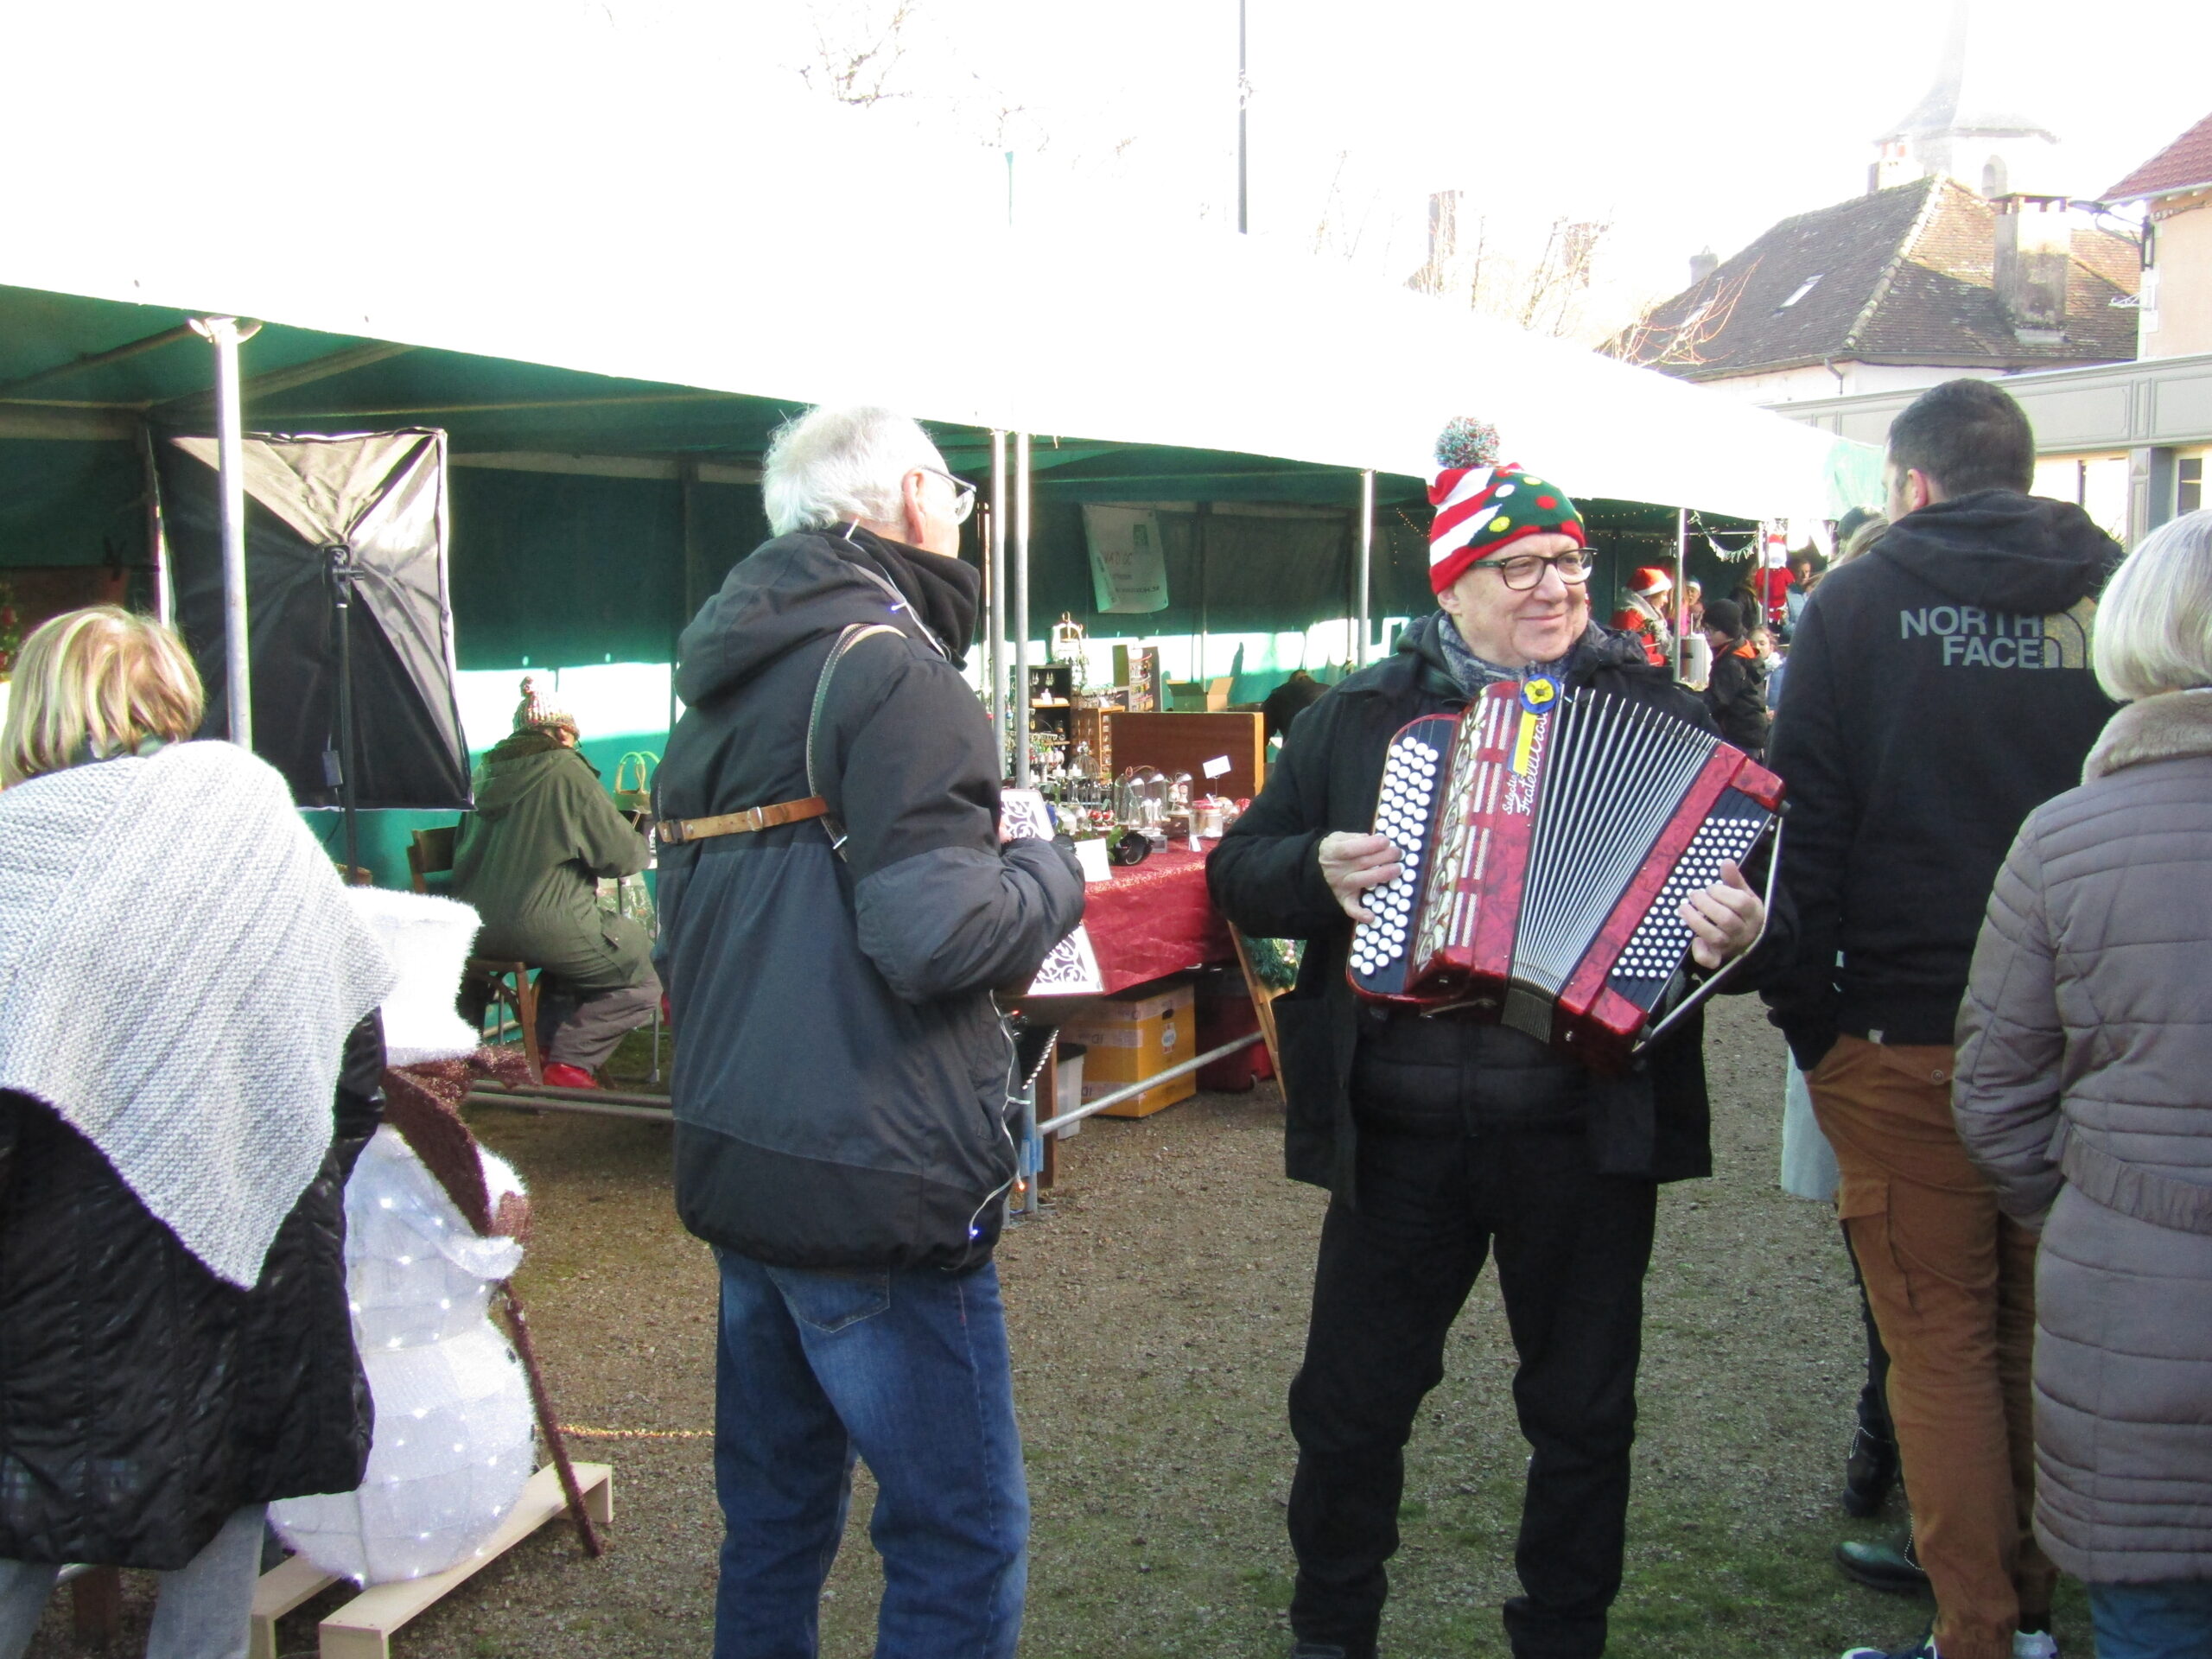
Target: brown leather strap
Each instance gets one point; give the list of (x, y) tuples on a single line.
[(674, 831)]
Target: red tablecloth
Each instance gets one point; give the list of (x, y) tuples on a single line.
[(1154, 918)]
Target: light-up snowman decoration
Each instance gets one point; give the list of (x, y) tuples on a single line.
[(453, 1443)]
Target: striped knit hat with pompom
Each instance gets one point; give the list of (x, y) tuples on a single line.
[(1483, 504)]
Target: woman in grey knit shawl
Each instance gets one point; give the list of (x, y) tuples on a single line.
[(189, 1058)]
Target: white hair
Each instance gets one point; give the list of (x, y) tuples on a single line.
[(833, 465), (2154, 623)]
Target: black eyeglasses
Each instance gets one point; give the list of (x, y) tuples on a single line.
[(1524, 570), (963, 498)]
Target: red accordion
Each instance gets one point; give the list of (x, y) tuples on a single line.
[(1548, 840)]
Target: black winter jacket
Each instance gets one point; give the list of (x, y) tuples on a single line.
[(1735, 695), (841, 1083), (1266, 878), (143, 1399), (1940, 690)]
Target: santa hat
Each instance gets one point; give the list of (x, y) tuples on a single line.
[(1651, 582), (534, 713), (1484, 504)]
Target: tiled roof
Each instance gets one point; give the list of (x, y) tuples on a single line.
[(2186, 162), (1903, 274)]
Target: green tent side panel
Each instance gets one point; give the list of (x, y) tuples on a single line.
[(559, 570), (71, 503)]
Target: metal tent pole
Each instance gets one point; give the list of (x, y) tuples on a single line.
[(1681, 571), (997, 699), (1021, 698), (1366, 561), (226, 335)]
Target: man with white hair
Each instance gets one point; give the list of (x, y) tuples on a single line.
[(836, 908)]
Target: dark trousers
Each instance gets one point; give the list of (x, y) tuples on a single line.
[(1572, 1247), (583, 1028)]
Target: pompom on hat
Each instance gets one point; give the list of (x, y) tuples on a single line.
[(1484, 504), (535, 714)]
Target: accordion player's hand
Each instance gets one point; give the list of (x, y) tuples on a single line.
[(1351, 864), (1723, 919)]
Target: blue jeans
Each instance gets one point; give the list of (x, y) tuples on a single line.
[(2169, 1619), (203, 1611), (909, 1371)]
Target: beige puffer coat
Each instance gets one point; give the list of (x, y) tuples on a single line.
[(2084, 1091)]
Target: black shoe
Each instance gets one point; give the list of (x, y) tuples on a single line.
[(1328, 1650), (1868, 1473), (1884, 1566)]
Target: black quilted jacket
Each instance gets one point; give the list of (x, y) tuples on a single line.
[(141, 1398)]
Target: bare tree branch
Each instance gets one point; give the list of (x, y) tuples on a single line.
[(859, 47)]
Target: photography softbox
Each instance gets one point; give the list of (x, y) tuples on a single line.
[(372, 506)]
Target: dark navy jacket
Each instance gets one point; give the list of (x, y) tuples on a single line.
[(842, 1076)]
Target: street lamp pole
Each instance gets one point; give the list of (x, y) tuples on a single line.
[(1243, 109)]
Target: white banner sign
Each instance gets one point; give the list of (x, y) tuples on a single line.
[(1128, 572)]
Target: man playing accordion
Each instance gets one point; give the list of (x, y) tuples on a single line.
[(1440, 1138)]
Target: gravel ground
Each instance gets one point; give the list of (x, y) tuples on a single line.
[(1157, 1311)]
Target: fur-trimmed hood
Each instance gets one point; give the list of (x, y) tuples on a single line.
[(2172, 726)]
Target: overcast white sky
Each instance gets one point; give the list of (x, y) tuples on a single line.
[(1683, 125)]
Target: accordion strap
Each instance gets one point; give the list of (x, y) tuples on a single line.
[(672, 832), (853, 633), (675, 832)]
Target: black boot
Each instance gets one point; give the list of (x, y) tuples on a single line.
[(1884, 1566), (1869, 1473)]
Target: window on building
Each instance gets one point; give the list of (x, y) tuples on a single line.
[(1804, 288), (2189, 485)]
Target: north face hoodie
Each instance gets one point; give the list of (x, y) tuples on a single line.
[(1940, 690)]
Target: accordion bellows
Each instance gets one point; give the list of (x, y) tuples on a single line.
[(1548, 839)]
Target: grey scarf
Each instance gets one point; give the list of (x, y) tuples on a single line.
[(1473, 673)]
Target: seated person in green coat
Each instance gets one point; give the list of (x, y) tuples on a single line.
[(529, 859)]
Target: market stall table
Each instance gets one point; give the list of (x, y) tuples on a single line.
[(1154, 918)]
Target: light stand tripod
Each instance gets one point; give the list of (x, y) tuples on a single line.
[(337, 762)]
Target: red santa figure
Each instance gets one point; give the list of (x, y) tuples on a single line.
[(1644, 615), (1771, 582)]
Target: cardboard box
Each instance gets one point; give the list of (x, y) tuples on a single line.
[(1128, 1038)]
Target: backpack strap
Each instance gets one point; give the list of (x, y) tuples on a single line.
[(853, 633)]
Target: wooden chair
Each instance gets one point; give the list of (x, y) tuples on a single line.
[(507, 985)]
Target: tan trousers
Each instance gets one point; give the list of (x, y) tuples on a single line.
[(1952, 1283)]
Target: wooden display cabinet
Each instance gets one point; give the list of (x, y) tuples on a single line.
[(1184, 742)]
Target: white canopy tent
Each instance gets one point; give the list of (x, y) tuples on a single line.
[(786, 252)]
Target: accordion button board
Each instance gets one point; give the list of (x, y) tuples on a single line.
[(1545, 853)]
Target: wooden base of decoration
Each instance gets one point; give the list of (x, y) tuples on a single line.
[(363, 1628)]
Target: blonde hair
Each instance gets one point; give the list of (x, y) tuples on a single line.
[(92, 683), (1860, 540), (2154, 622)]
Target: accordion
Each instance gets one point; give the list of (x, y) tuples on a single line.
[(1548, 839)]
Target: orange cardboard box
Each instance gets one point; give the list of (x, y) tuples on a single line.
[(1128, 1038)]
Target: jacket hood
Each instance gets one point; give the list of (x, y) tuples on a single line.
[(811, 584), (2004, 551), (517, 766)]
